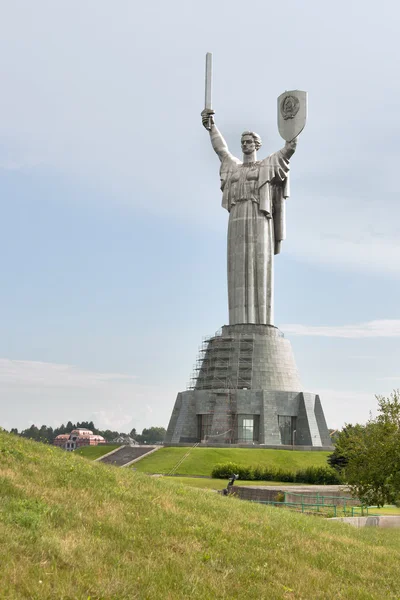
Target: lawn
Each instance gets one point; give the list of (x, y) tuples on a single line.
[(202, 460), (74, 529), (385, 510), (93, 452), (219, 484)]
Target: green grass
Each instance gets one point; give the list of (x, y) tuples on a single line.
[(385, 510), (202, 460), (93, 452), (219, 484), (72, 529)]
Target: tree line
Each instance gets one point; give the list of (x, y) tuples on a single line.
[(47, 434)]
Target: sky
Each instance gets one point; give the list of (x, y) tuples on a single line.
[(112, 236)]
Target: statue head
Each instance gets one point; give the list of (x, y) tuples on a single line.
[(250, 142)]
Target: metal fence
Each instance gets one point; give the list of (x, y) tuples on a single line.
[(323, 508), (317, 498)]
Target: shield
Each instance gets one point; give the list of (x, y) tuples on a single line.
[(292, 113)]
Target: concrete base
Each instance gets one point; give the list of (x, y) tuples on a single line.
[(272, 418), (247, 391)]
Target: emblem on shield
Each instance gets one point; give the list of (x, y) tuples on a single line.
[(292, 114)]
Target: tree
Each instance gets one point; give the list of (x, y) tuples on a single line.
[(31, 433), (151, 435), (333, 435), (48, 434), (87, 425), (344, 439), (368, 456)]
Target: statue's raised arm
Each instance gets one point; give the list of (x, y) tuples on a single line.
[(217, 141), (289, 149)]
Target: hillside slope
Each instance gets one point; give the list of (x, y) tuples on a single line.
[(202, 460), (72, 529)]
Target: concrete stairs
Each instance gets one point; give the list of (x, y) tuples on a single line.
[(126, 455)]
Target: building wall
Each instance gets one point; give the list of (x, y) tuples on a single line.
[(222, 408)]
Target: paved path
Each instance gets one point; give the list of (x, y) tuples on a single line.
[(125, 455)]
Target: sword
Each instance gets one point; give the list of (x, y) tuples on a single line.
[(208, 86)]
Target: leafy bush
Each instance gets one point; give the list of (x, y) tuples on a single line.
[(318, 475), (286, 476), (312, 475), (225, 470), (258, 474)]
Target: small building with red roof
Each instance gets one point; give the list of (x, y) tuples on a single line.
[(78, 438)]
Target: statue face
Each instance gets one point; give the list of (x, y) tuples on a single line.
[(248, 144)]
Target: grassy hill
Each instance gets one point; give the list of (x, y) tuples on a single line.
[(202, 460), (71, 529), (93, 452)]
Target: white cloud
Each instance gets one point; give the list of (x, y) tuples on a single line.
[(346, 406), (379, 328), (113, 419), (19, 164), (35, 373), (52, 393), (11, 165)]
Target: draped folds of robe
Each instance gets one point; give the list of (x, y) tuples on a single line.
[(254, 194)]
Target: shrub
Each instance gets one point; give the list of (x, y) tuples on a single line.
[(311, 475), (258, 473), (318, 475), (269, 474), (246, 473), (225, 470), (285, 476)]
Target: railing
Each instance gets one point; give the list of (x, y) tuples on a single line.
[(180, 461), (321, 509), (320, 499)]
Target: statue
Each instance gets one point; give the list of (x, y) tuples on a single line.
[(254, 194), (246, 387)]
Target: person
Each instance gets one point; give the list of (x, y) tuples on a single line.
[(231, 481), (254, 193)]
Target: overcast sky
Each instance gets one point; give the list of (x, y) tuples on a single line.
[(112, 236)]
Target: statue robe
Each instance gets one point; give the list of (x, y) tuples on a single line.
[(255, 197)]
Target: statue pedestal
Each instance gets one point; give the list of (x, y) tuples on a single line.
[(247, 391)]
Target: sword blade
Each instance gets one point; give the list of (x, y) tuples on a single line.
[(208, 90)]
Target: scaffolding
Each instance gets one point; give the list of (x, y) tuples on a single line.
[(219, 424), (224, 362)]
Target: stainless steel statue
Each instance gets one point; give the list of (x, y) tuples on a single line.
[(246, 387), (254, 193)]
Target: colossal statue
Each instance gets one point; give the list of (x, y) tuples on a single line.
[(254, 193)]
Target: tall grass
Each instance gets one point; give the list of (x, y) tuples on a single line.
[(73, 530)]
